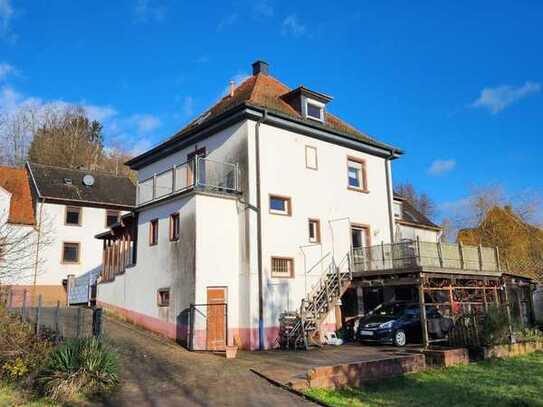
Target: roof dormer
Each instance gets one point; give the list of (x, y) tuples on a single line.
[(310, 104)]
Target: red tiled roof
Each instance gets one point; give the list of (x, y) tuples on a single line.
[(15, 181), (266, 91)]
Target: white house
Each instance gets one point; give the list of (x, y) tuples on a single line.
[(241, 212), (413, 225), (70, 207)]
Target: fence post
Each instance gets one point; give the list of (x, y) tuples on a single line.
[(10, 298), (383, 253), (57, 313), (461, 252), (97, 322), (23, 310), (480, 253), (419, 259), (191, 327), (38, 316), (497, 253), (440, 254), (78, 324)]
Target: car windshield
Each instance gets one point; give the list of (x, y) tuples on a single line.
[(395, 310)]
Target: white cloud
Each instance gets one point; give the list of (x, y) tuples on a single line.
[(440, 167), (263, 8), (292, 26), (188, 106), (498, 98), (144, 123), (149, 11), (227, 21), (6, 70), (99, 113)]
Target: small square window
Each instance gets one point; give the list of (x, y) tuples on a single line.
[(70, 252), (314, 111), (174, 227), (356, 174), (163, 297), (73, 215), (280, 205), (153, 232), (112, 217), (314, 231), (282, 267), (311, 157)]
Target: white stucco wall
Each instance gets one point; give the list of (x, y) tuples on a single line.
[(51, 217), (321, 194), (412, 233)]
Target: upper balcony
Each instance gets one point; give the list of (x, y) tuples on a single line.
[(198, 173), (416, 255)]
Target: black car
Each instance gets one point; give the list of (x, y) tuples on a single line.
[(399, 323)]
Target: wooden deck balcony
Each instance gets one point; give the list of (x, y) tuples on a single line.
[(198, 173), (420, 256)]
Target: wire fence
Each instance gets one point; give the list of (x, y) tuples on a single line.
[(208, 327)]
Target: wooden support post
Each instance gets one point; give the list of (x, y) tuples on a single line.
[(419, 260), (10, 298), (38, 316), (480, 253), (422, 305), (451, 297), (508, 308), (497, 254), (484, 298)]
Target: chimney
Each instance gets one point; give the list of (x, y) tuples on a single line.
[(232, 87), (260, 67)]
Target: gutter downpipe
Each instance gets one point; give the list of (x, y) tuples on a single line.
[(259, 233), (390, 195)]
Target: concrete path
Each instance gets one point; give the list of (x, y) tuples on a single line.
[(157, 372)]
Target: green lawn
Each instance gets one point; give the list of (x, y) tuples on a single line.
[(11, 397), (505, 382)]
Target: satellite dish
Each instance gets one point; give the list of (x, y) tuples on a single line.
[(88, 180)]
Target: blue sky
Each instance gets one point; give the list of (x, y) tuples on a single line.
[(457, 85)]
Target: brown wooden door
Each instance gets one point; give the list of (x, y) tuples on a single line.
[(216, 318)]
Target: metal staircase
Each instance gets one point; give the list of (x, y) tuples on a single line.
[(299, 329)]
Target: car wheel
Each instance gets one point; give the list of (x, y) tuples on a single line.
[(400, 339)]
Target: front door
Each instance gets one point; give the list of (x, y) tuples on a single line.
[(216, 318)]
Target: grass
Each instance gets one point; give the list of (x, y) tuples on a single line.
[(10, 396), (503, 382)]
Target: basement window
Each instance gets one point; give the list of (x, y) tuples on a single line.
[(163, 297), (282, 267)]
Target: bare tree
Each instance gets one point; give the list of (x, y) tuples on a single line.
[(21, 250), (421, 201), (16, 131)]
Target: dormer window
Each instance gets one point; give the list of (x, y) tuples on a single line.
[(397, 209), (314, 110)]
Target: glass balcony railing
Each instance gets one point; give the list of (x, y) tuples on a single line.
[(199, 172)]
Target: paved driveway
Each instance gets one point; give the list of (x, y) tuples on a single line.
[(156, 372)]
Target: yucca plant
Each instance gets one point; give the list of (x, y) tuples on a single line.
[(83, 366)]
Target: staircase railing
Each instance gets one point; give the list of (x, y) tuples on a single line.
[(298, 329)]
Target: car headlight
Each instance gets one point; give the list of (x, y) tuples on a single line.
[(386, 325)]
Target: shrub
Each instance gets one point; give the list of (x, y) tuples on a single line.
[(495, 328), (84, 366), (22, 354)]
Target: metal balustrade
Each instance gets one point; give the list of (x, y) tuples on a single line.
[(199, 172), (416, 253)]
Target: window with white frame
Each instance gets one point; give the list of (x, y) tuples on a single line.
[(356, 174), (397, 207), (314, 110), (360, 236), (280, 205)]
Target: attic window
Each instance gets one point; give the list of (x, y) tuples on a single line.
[(398, 210), (314, 110)]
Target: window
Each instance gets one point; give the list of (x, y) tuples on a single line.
[(282, 267), (153, 232), (112, 217), (311, 157), (280, 205), (314, 110), (314, 230), (397, 208), (356, 174), (360, 236), (163, 297), (174, 227), (70, 252), (73, 215)]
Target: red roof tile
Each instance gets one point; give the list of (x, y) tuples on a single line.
[(15, 181)]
